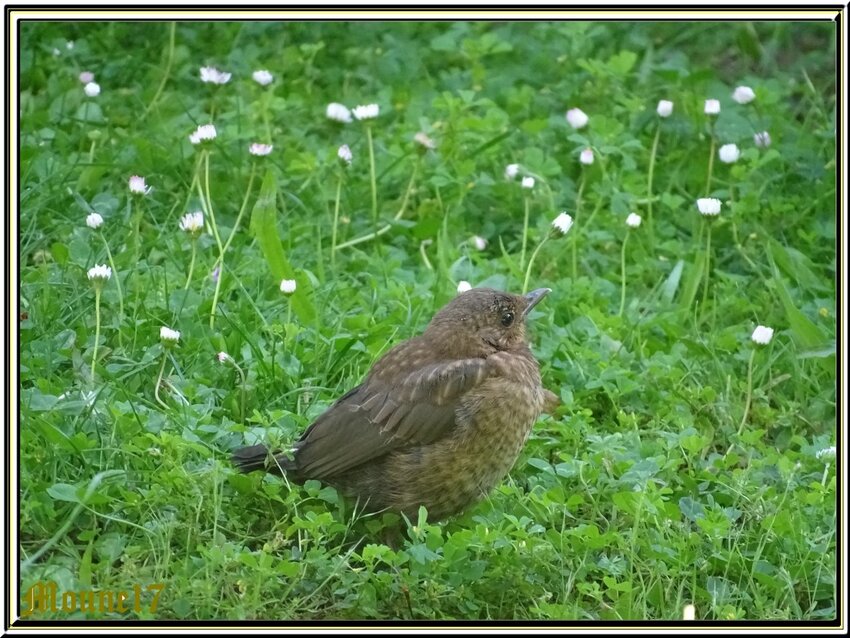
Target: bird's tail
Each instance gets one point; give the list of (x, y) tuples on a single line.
[(257, 457)]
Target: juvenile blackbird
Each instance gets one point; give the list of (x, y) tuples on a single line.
[(439, 420)]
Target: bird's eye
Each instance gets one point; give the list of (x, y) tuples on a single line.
[(507, 319)]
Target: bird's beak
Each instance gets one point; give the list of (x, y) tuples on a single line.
[(533, 298)]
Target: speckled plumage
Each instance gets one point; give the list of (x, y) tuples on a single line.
[(439, 420)]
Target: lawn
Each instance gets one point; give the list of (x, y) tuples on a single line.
[(686, 465)]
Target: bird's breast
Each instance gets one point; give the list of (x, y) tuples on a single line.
[(493, 423)]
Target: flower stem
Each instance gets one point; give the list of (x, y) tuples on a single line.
[(96, 329), (120, 292), (372, 176), (387, 227), (650, 174), (422, 246), (531, 262), (207, 200), (367, 237), (159, 380), (749, 392), (623, 274), (191, 263), (136, 218), (710, 163), (524, 232), (595, 210), (336, 219), (242, 210), (707, 268), (165, 73), (217, 290), (575, 223), (207, 204)]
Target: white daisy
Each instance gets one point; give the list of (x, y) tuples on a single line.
[(137, 185), (204, 133), (762, 335), (100, 273), (577, 118), (338, 112), (425, 141), (366, 112), (743, 95), (729, 153), (94, 220), (262, 77), (563, 223), (260, 150), (192, 223), (665, 108), (212, 75), (633, 220), (169, 335), (708, 206), (344, 154)]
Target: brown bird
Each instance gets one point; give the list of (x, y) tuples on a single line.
[(439, 420)]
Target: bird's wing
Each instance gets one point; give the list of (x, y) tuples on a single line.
[(383, 415)]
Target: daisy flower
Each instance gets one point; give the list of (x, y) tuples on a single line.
[(563, 223), (344, 154), (260, 150), (204, 133), (762, 335), (212, 75), (192, 223), (94, 220), (99, 274), (262, 77), (338, 112), (137, 185), (366, 112), (577, 118), (729, 153), (743, 95), (712, 107), (665, 108), (633, 220), (708, 206)]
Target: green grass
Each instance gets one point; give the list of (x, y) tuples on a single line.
[(683, 466)]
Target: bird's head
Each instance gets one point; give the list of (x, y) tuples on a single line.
[(481, 321)]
